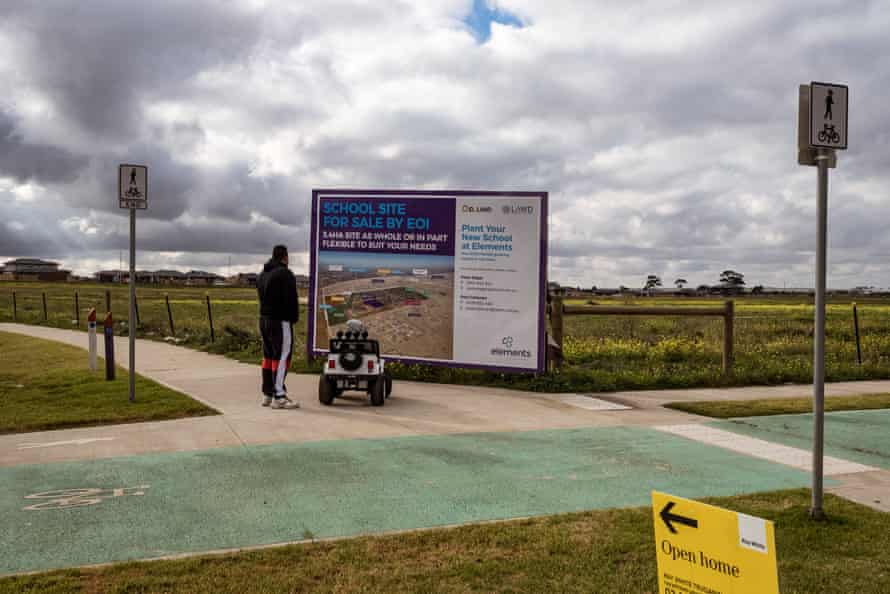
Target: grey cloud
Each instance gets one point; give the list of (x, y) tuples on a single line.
[(26, 161), (100, 63), (99, 60)]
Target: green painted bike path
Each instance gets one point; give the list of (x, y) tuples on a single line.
[(859, 436), (238, 497)]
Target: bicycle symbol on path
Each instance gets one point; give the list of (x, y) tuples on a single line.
[(66, 498)]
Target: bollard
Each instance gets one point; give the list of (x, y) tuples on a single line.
[(15, 310), (77, 308), (91, 329), (45, 317), (109, 347), (210, 319), (170, 315)]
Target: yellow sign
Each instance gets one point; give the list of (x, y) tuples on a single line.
[(702, 549)]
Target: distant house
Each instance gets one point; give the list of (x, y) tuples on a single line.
[(111, 276), (168, 277), (302, 281), (199, 277), (33, 269), (244, 279)]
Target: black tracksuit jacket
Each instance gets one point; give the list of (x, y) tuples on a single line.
[(277, 288)]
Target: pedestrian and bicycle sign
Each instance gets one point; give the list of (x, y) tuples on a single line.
[(133, 186), (702, 548), (828, 115)]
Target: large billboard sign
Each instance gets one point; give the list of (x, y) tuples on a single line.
[(442, 278)]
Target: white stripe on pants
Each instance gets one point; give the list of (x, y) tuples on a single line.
[(282, 363)]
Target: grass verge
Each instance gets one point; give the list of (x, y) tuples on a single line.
[(598, 551), (46, 385), (773, 337), (779, 406)]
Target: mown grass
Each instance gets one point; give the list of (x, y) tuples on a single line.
[(779, 406), (47, 385), (773, 338), (599, 551)]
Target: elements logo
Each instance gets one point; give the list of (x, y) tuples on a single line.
[(508, 350)]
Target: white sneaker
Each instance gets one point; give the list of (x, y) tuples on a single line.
[(285, 402), (267, 400)]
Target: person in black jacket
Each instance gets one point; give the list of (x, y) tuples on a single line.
[(279, 310)]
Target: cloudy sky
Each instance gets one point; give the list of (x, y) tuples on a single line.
[(664, 131)]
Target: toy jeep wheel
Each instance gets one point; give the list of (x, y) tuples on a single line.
[(326, 392), (378, 392)]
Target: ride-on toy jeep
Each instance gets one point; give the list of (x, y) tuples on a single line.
[(354, 363)]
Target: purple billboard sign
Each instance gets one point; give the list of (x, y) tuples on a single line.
[(389, 224)]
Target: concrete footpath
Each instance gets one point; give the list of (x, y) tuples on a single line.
[(434, 455), (415, 408)]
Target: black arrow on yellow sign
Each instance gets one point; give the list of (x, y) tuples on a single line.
[(668, 518)]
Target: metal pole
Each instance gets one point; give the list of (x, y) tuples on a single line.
[(131, 320), (45, 317), (15, 309), (77, 308), (822, 159)]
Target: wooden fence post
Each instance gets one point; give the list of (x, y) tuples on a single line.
[(77, 308), (210, 319), (728, 325), (45, 317), (136, 306), (15, 309), (556, 320), (107, 300), (856, 328), (170, 315)]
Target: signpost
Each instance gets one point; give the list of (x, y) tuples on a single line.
[(133, 194), (823, 109), (703, 548), (437, 277)]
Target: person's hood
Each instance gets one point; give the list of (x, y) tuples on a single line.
[(272, 263)]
